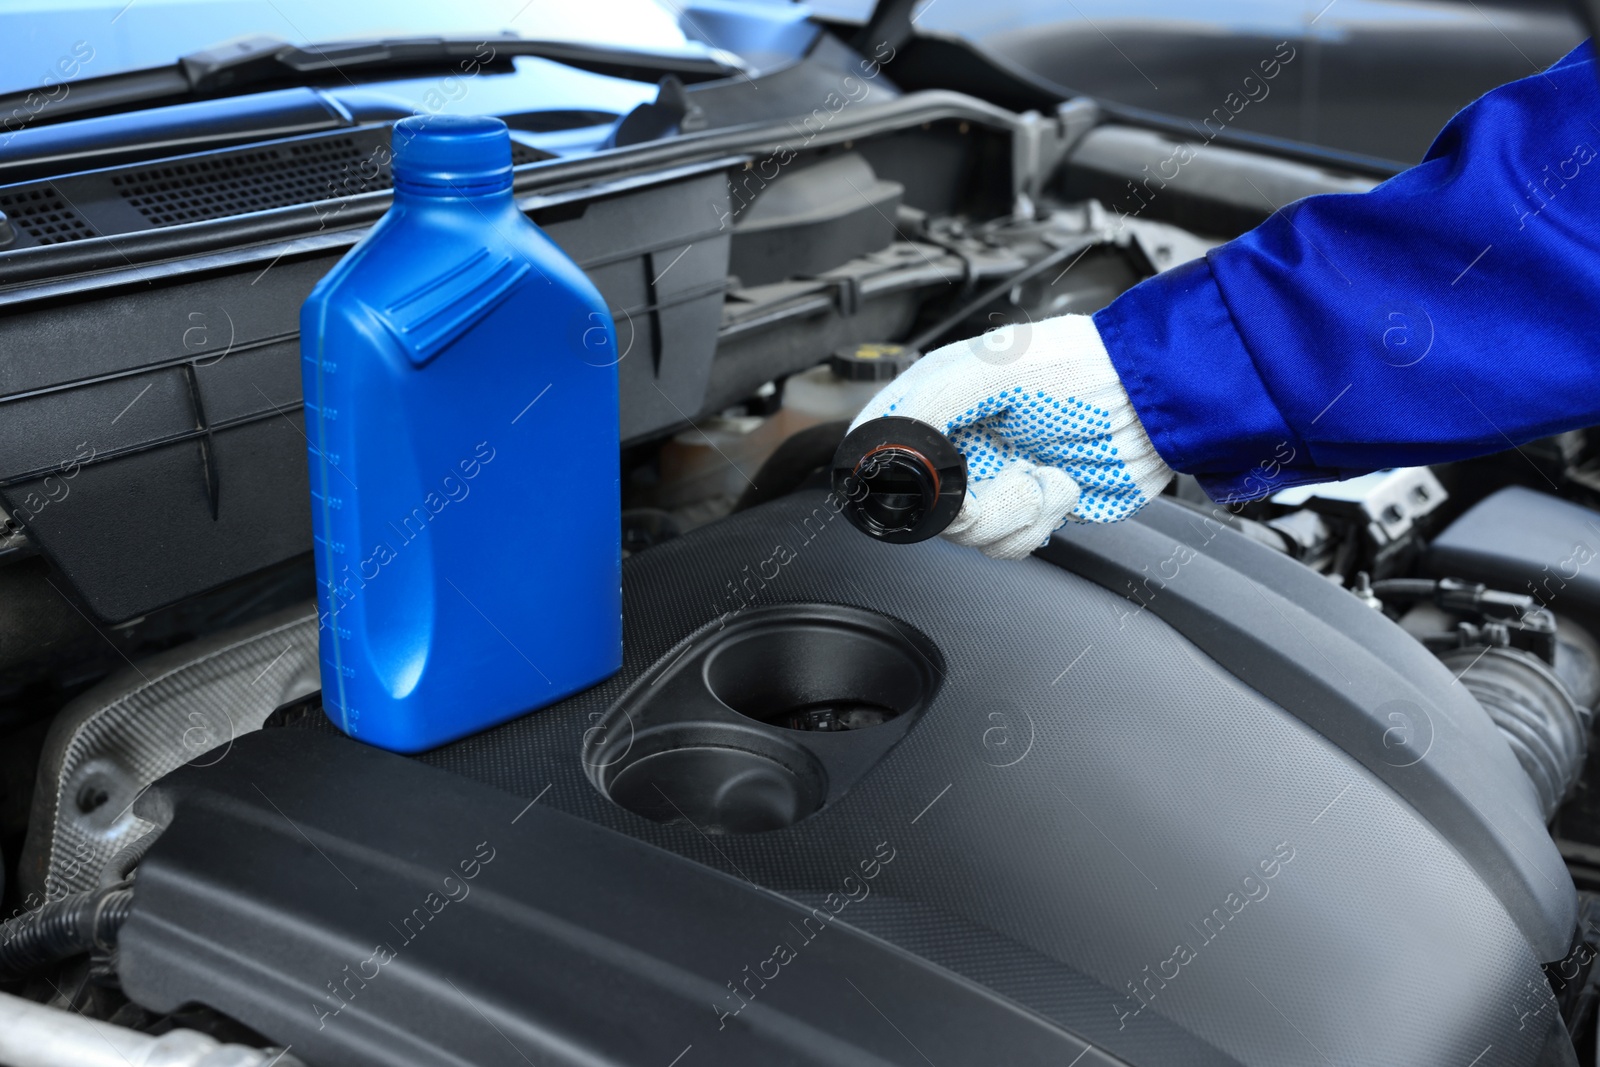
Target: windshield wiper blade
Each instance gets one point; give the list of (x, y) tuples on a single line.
[(253, 64)]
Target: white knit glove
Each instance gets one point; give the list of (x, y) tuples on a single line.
[(1048, 431)]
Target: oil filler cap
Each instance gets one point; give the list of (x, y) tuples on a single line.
[(901, 480)]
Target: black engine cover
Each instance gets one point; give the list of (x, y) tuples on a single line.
[(1231, 816)]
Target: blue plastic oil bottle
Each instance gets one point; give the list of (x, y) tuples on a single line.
[(461, 410)]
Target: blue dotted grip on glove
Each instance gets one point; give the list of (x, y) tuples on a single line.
[(1070, 434)]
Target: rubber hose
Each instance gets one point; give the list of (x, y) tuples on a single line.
[(1533, 712), (62, 929), (1404, 588)]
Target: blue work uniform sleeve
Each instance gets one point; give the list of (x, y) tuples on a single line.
[(1452, 311)]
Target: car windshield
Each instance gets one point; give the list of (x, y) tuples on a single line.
[(1373, 78), (48, 41)]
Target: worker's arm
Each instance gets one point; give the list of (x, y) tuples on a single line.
[(1452, 311)]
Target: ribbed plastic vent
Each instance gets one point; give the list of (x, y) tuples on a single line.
[(272, 177), (521, 154), (237, 181), (43, 215), (252, 181)]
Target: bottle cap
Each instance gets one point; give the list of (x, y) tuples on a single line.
[(451, 155)]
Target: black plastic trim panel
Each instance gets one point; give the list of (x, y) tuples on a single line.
[(374, 911), (288, 224), (1350, 674)]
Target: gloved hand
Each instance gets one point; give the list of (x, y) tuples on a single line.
[(1048, 431)]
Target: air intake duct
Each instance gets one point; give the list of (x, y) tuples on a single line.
[(1534, 711), (1536, 678)]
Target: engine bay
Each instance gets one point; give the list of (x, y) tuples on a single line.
[(1303, 779)]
